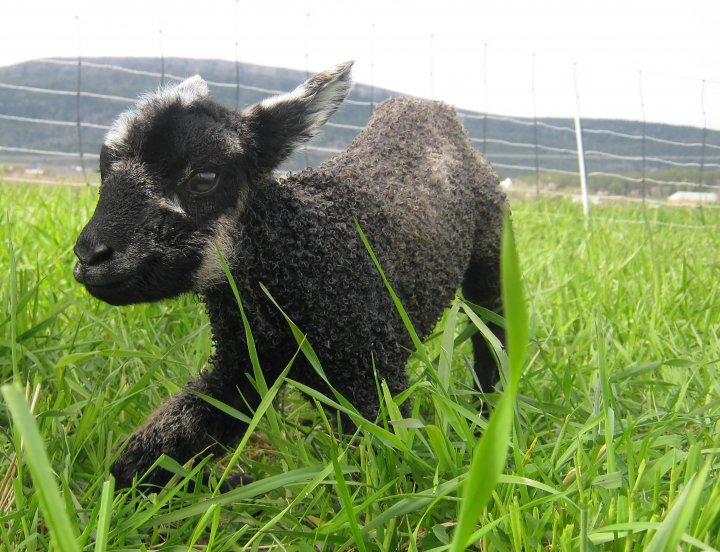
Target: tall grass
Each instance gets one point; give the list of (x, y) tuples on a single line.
[(613, 443)]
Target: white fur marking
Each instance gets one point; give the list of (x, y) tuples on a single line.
[(298, 94), (170, 205), (211, 270), (225, 236), (186, 93), (119, 130)]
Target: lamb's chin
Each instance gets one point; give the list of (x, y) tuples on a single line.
[(117, 294), (130, 292)]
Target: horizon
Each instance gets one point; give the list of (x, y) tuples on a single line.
[(663, 54), (301, 77)]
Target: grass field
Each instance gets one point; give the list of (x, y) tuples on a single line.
[(615, 442)]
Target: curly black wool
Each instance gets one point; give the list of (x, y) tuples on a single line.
[(430, 205)]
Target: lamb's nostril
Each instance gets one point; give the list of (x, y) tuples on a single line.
[(92, 254)]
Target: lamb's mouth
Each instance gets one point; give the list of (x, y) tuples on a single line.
[(118, 285), (114, 293), (106, 285), (99, 280), (117, 292)]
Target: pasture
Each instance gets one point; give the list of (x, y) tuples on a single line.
[(615, 443)]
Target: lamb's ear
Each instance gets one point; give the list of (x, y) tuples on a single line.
[(282, 123)]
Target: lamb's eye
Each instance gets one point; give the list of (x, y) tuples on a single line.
[(202, 183)]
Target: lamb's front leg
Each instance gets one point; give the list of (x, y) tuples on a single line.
[(185, 426)]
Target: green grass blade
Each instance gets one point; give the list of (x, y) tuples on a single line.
[(62, 531), (222, 407), (342, 487), (252, 351), (671, 530), (419, 347), (261, 487), (491, 451), (264, 406), (492, 340), (202, 525), (514, 305), (103, 523), (447, 347), (441, 447), (307, 489), (13, 301)]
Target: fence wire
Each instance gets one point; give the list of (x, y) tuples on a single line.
[(552, 150)]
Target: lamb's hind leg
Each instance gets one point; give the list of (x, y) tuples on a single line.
[(481, 285), (185, 426)]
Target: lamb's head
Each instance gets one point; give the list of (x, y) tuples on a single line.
[(177, 173)]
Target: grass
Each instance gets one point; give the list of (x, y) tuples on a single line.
[(614, 435)]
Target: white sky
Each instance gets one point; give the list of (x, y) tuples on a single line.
[(675, 43)]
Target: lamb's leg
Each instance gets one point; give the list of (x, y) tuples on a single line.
[(352, 374), (367, 399), (185, 426), (481, 285)]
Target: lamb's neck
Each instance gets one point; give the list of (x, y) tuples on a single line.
[(258, 258), (266, 228)]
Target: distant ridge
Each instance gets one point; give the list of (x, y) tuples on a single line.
[(507, 141)]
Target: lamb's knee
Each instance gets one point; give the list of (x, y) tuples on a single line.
[(184, 426)]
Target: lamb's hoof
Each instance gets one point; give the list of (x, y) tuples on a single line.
[(134, 462), (155, 480)]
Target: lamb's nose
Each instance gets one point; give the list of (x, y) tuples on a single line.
[(90, 254)]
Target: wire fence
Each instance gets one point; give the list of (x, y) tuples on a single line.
[(625, 161)]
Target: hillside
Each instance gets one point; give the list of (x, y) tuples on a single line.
[(101, 76)]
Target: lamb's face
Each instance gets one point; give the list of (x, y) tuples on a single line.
[(177, 172), (174, 181)]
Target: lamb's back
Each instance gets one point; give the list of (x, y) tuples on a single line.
[(419, 190), (413, 161), (413, 145)]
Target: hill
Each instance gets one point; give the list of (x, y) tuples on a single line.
[(507, 142)]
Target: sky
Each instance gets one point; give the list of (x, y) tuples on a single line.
[(625, 58)]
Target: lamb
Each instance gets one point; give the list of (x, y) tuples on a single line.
[(185, 179)]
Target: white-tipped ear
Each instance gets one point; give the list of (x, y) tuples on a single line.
[(284, 122), (319, 96)]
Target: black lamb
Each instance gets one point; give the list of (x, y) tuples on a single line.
[(185, 179)]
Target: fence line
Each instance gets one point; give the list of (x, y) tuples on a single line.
[(66, 92), (221, 84), (649, 138), (169, 76), (543, 124), (54, 122), (525, 145), (47, 152), (627, 199), (608, 155), (565, 153), (537, 214), (466, 115), (528, 168)]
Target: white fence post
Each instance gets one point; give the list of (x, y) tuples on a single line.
[(580, 148)]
